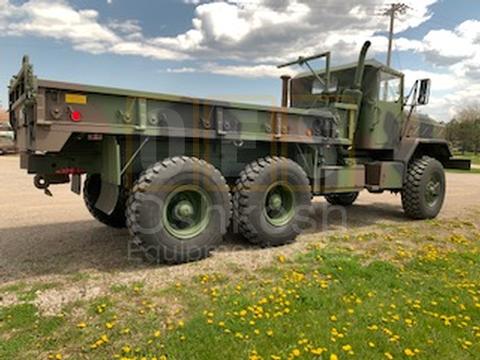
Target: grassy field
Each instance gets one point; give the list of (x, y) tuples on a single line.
[(391, 292), (469, 155)]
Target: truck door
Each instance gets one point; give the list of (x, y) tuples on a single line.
[(388, 111)]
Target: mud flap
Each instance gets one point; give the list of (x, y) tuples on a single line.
[(108, 197), (110, 189), (76, 184)]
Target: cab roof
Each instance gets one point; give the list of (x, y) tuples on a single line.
[(370, 62)]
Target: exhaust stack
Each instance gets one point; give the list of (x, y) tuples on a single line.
[(285, 90), (361, 66)]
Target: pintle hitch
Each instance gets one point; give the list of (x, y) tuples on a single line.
[(43, 182)]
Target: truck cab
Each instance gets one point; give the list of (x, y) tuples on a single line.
[(380, 116)]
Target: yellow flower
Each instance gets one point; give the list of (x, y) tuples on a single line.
[(281, 259), (371, 344), (296, 352), (333, 318), (409, 352), (58, 357), (388, 356), (317, 351), (109, 325), (157, 333), (81, 325), (270, 332), (333, 357), (275, 357), (347, 348)]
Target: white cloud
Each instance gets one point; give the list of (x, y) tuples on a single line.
[(246, 30), (244, 71), (257, 34), (455, 53)]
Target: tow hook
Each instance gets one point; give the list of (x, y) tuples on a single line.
[(43, 182)]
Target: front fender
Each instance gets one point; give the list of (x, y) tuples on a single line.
[(410, 148)]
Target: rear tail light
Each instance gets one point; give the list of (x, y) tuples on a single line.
[(75, 116)]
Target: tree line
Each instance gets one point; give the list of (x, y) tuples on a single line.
[(463, 132)]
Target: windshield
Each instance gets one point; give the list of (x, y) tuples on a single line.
[(318, 87), (390, 87)]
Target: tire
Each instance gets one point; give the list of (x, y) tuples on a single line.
[(179, 210), (423, 193), (342, 199), (256, 215), (91, 192)]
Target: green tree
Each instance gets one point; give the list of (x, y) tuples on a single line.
[(464, 131)]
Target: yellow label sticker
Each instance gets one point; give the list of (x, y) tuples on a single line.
[(75, 99)]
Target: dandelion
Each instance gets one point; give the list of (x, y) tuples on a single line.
[(409, 352), (333, 357), (296, 352), (347, 348), (318, 351)]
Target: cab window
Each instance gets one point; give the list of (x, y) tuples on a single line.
[(318, 87), (390, 87)]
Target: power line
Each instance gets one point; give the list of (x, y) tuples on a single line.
[(392, 11)]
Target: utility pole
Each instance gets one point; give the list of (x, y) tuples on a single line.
[(396, 8)]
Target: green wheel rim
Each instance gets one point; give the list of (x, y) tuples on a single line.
[(279, 204), (433, 190), (186, 212)]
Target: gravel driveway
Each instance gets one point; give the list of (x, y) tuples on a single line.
[(43, 237)]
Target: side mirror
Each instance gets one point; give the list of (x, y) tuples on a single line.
[(424, 92)]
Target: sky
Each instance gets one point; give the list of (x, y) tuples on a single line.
[(229, 49)]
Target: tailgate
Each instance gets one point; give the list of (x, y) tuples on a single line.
[(23, 106)]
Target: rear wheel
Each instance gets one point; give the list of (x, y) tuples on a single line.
[(342, 199), (272, 201), (91, 192), (179, 210), (424, 189)]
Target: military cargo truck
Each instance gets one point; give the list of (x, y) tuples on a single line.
[(180, 171)]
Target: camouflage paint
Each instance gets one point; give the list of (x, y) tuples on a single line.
[(335, 136)]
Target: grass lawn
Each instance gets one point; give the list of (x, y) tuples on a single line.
[(469, 155), (392, 292), (471, 171)]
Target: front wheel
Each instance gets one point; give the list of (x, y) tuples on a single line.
[(424, 189)]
